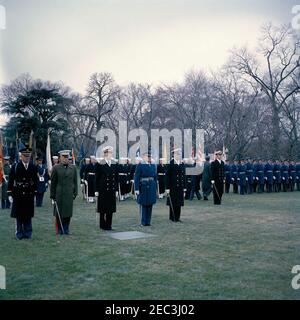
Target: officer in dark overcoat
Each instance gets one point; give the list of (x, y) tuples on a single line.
[(175, 185), (22, 187), (217, 175), (106, 187), (145, 186), (277, 176)]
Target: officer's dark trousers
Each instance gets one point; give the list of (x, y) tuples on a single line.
[(106, 220), (23, 229), (39, 199), (298, 186), (217, 192), (250, 188), (174, 216), (269, 188), (242, 189), (292, 186), (235, 187), (227, 187), (5, 204), (261, 188), (254, 186), (145, 213), (206, 191), (193, 191), (65, 225), (284, 187)]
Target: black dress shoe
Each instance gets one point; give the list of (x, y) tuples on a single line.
[(148, 225)]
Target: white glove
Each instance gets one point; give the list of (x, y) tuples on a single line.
[(256, 178), (137, 192), (232, 179), (246, 179), (266, 178), (213, 181), (96, 194), (274, 177), (49, 182), (52, 201), (168, 191), (10, 199), (283, 178), (117, 194), (239, 179)]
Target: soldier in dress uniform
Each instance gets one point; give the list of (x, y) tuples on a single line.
[(145, 185), (249, 176), (234, 176), (260, 177), (292, 174), (217, 175), (227, 176), (83, 182), (285, 175), (206, 179), (161, 175), (175, 185), (22, 186), (90, 177), (122, 178), (277, 176), (268, 170), (63, 191), (54, 160), (298, 175), (42, 184), (255, 177), (128, 177), (242, 176), (107, 176), (5, 204)]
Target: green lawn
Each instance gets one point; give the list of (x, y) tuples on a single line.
[(244, 249)]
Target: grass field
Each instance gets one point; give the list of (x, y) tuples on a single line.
[(244, 249)]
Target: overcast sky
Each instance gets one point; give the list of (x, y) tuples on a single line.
[(150, 41)]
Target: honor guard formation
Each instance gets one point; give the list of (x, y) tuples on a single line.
[(105, 180)]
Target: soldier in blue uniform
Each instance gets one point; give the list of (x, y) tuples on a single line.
[(292, 174), (285, 175), (42, 184), (255, 178), (227, 176), (298, 175), (277, 176), (268, 171), (22, 186), (217, 175), (234, 176), (242, 176), (145, 185), (249, 176), (260, 176), (175, 185)]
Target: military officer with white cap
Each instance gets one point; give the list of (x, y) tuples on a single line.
[(145, 185), (175, 185), (22, 187), (106, 187), (63, 191), (54, 160), (217, 176)]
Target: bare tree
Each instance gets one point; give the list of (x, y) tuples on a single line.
[(280, 52)]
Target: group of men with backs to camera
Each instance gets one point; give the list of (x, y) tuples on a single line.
[(106, 179)]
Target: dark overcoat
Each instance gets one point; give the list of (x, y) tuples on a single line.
[(106, 186), (22, 186)]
